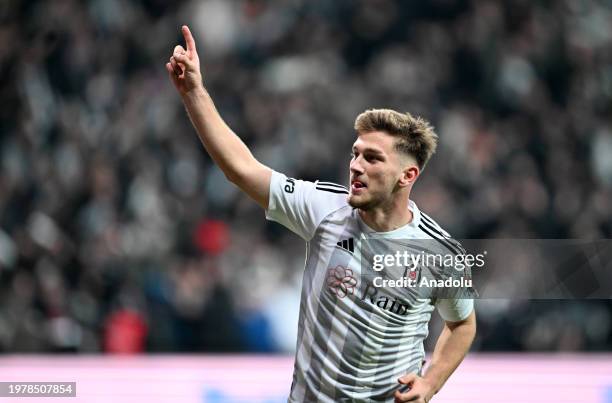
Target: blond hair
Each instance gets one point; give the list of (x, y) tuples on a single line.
[(416, 137)]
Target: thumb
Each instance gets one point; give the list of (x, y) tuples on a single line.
[(172, 75), (408, 379), (181, 58)]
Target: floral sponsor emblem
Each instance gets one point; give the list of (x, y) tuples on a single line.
[(341, 281)]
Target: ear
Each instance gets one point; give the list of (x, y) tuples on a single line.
[(409, 175)]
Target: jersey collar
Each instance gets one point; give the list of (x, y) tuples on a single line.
[(405, 231)]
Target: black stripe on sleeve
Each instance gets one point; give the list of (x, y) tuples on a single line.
[(332, 190), (437, 229), (441, 240), (431, 221), (330, 184)]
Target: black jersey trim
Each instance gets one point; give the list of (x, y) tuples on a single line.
[(441, 240), (327, 188), (431, 224), (333, 190), (333, 185), (431, 221)]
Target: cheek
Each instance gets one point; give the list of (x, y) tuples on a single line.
[(386, 179), (379, 178)]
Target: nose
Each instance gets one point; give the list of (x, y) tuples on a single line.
[(355, 166)]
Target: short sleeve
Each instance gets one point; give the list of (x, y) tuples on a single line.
[(456, 303), (455, 310), (301, 205)]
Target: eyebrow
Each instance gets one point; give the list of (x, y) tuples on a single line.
[(369, 150)]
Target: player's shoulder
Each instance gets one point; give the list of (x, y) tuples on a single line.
[(330, 195), (330, 187), (429, 226), (317, 195), (430, 229)]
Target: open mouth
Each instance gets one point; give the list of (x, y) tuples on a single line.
[(357, 185)]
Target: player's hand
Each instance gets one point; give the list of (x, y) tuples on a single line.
[(420, 390), (184, 65)]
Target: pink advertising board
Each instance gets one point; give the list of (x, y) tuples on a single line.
[(483, 378)]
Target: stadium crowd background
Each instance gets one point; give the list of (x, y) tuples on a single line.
[(118, 234)]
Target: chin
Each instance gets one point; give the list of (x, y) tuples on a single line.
[(357, 202)]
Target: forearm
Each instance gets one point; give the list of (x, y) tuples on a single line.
[(451, 347), (227, 150)]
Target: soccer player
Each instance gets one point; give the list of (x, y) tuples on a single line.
[(353, 343)]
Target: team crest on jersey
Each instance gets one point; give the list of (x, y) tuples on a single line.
[(341, 281)]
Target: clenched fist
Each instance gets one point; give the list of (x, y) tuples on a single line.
[(184, 65)]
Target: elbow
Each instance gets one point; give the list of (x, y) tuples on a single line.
[(468, 323), (232, 176), (232, 172), (235, 176), (244, 173)]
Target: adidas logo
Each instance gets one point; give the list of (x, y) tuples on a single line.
[(347, 244)]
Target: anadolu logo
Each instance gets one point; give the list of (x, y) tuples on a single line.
[(341, 281)]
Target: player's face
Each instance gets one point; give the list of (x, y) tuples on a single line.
[(375, 170)]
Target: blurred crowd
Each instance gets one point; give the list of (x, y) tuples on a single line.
[(118, 234)]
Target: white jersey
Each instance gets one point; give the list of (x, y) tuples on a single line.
[(354, 341)]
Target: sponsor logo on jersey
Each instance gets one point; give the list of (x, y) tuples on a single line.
[(373, 295), (341, 281), (348, 244)]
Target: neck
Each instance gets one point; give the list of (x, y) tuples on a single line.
[(387, 218)]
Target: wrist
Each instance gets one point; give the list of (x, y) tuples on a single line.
[(432, 382), (195, 94)]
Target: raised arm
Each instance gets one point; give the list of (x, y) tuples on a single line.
[(222, 144)]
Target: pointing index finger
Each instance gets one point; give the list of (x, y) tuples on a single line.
[(189, 41)]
